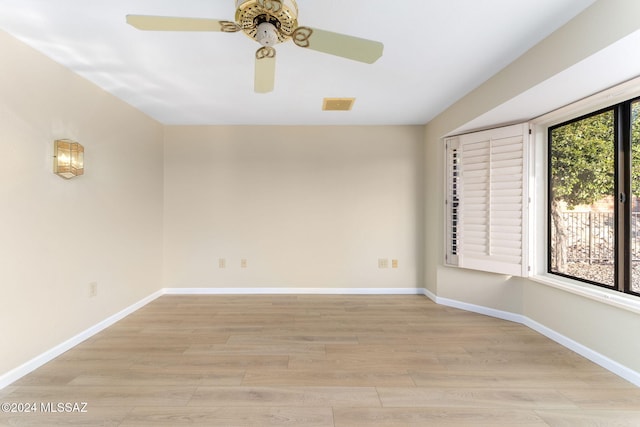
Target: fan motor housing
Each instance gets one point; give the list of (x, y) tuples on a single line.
[(281, 14)]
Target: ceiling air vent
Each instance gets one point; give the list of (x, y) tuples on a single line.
[(338, 104)]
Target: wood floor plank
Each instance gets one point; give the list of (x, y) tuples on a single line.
[(206, 363), (286, 396), (589, 398), (489, 379), (284, 349), (360, 362), (418, 397), (591, 418), (230, 416), (321, 360), (388, 377), (449, 417), (331, 337), (137, 378)]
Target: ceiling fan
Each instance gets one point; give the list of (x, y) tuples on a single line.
[(269, 22)]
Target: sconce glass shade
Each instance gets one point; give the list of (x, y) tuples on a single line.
[(68, 158)]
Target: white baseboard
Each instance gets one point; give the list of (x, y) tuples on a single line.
[(592, 355), (292, 291), (611, 365), (500, 314), (47, 356), (597, 358)]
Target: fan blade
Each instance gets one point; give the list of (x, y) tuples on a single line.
[(172, 23), (265, 70), (349, 47)]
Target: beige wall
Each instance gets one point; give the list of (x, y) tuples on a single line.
[(595, 325), (306, 206), (57, 236)]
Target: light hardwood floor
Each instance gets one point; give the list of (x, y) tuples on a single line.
[(321, 361)]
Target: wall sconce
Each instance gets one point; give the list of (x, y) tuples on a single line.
[(68, 158)]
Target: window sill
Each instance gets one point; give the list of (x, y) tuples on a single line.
[(605, 296)]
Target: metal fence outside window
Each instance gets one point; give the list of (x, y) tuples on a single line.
[(590, 237)]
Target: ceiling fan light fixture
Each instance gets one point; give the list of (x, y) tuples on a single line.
[(281, 14), (267, 34)]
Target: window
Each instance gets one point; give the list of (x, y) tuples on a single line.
[(487, 198), (594, 198)]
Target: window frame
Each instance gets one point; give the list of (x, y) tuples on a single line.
[(622, 186)]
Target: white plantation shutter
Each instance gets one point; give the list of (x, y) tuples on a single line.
[(452, 201), (487, 200)]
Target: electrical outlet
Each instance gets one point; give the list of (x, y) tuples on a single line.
[(93, 289), (394, 263), (383, 263), (243, 263), (222, 263)]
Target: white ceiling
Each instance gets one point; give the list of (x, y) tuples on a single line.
[(435, 53)]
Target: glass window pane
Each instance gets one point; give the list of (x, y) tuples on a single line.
[(635, 199), (582, 199)]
